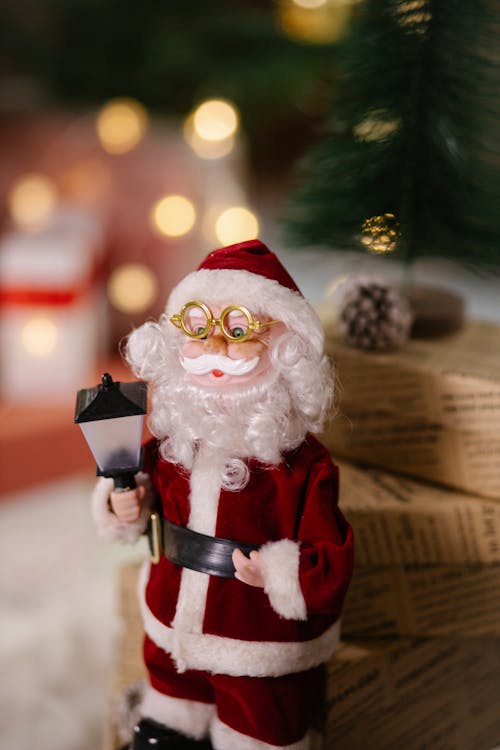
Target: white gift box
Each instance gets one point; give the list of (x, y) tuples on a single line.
[(52, 319)]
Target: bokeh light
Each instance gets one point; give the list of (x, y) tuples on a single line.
[(173, 215), (39, 336), (121, 125), (32, 201), (203, 148), (314, 21), (209, 221), (215, 120), (87, 180), (236, 224), (310, 3), (132, 288)]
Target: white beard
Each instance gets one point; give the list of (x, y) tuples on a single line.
[(262, 421), (251, 422)]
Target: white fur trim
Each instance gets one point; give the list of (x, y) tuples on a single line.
[(205, 485), (220, 655), (192, 718), (189, 613), (225, 738), (258, 293), (280, 562), (108, 525)]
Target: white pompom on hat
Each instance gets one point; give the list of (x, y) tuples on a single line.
[(249, 274)]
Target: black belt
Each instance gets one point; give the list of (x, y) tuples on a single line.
[(206, 554)]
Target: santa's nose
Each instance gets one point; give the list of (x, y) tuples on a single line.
[(215, 344)]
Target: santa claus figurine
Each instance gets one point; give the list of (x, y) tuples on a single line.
[(242, 599)]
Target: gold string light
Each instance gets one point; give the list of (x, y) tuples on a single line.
[(378, 125), (380, 234), (413, 15)]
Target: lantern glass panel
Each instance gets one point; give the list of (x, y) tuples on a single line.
[(115, 443)]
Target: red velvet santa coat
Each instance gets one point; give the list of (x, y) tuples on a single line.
[(223, 625)]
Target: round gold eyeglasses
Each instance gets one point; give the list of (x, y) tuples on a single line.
[(236, 322)]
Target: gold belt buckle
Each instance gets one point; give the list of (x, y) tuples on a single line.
[(156, 538)]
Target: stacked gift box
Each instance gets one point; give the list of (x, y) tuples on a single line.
[(417, 437), (430, 410), (427, 558)]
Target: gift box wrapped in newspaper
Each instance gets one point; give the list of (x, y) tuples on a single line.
[(402, 521), (427, 558), (411, 694), (422, 601), (430, 409)]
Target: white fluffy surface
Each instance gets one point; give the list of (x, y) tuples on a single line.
[(58, 615)]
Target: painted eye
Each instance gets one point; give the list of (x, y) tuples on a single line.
[(237, 332), (199, 330)]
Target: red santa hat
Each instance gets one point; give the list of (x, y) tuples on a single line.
[(249, 274)]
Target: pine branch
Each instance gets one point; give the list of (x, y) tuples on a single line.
[(414, 132)]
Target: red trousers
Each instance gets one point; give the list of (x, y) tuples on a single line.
[(274, 710)]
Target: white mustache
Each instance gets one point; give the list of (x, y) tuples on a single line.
[(205, 363)]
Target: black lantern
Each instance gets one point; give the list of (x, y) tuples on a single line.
[(111, 415)]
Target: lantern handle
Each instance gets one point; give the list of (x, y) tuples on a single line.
[(124, 482), (107, 381)]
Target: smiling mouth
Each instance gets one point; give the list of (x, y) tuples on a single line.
[(217, 373)]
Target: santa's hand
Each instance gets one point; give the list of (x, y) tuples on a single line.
[(127, 505), (248, 570)]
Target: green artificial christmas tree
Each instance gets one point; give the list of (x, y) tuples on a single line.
[(410, 164)]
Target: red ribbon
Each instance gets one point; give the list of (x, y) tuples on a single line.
[(29, 297), (43, 297)]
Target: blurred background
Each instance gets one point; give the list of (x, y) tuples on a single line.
[(349, 135)]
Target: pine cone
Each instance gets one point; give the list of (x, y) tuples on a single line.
[(372, 314)]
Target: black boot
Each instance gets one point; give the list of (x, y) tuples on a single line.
[(151, 735)]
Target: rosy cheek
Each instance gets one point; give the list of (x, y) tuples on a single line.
[(245, 350), (192, 349)]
